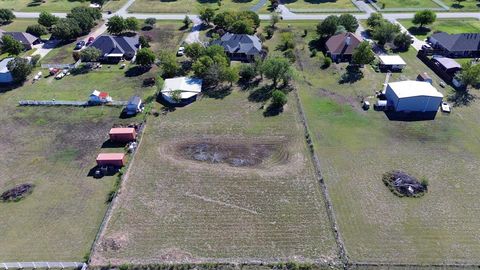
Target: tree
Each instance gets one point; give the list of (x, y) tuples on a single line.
[(116, 25), (244, 22), (279, 99), (176, 95), (94, 13), (375, 20), (363, 54), (385, 32), (46, 19), (20, 68), (327, 27), (276, 69), (243, 27), (11, 46), (469, 75), (186, 21), (144, 43), (90, 54), (169, 64), (274, 19), (131, 23), (340, 30), (6, 16), (83, 20), (194, 50), (230, 74), (247, 72), (424, 17), (287, 41), (150, 21), (145, 57), (458, 4), (349, 22), (100, 2), (207, 15), (402, 41), (66, 29), (37, 30)]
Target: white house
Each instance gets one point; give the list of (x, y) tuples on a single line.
[(188, 89), (391, 62), (413, 96), (5, 75)]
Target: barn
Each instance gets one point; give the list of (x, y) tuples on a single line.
[(111, 159), (122, 134), (413, 96)]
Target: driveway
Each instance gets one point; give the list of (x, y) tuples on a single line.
[(43, 49), (194, 35), (417, 43)]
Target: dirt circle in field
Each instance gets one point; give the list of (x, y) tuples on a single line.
[(17, 193), (235, 154), (404, 185)]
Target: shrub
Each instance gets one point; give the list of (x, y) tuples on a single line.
[(279, 99), (313, 52), (326, 62), (247, 72), (290, 55), (35, 60)]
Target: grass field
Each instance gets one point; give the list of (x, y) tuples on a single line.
[(304, 5), (18, 25), (187, 6), (467, 5), (451, 26), (113, 5), (407, 4), (357, 147), (50, 5)]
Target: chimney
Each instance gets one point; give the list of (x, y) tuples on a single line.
[(347, 41)]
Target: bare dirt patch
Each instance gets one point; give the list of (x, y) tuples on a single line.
[(17, 193), (353, 102), (230, 153)]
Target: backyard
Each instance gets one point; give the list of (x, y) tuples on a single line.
[(451, 26), (356, 147)]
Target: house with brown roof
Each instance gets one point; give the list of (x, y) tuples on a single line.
[(340, 47), (26, 39)]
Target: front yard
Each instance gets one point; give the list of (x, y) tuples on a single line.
[(451, 26)]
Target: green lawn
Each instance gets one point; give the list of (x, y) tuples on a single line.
[(467, 5), (407, 4), (49, 5), (318, 5), (356, 147), (187, 6), (18, 25), (113, 5), (451, 26)]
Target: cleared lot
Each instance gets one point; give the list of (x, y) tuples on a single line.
[(357, 147), (217, 181), (188, 6)]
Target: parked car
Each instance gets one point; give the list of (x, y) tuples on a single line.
[(426, 47), (79, 45), (445, 107), (90, 40), (181, 51)]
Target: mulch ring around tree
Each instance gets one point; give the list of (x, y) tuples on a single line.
[(404, 185), (17, 193)]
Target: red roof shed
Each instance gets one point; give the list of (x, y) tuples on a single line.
[(103, 95), (122, 134), (113, 159)]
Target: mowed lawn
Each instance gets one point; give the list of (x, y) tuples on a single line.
[(467, 5), (313, 5), (451, 26), (406, 4), (55, 148), (18, 25), (49, 5), (356, 147), (188, 6)]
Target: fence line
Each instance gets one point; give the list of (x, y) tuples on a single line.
[(62, 66), (47, 265)]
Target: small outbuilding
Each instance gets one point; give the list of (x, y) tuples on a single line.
[(423, 77), (111, 159), (181, 89), (5, 75), (391, 62), (122, 134), (100, 97), (134, 105), (448, 65), (413, 96)]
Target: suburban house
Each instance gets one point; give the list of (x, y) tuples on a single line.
[(413, 96), (99, 97), (27, 40), (456, 45), (186, 88), (134, 105), (115, 48), (5, 75), (122, 134), (111, 159), (423, 77), (340, 47), (240, 47), (391, 62)]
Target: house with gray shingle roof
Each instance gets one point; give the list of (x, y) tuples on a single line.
[(456, 45), (115, 48), (240, 47), (27, 40)]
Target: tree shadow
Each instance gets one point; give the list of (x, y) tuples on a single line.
[(136, 71), (352, 74), (461, 97), (272, 110), (458, 6), (414, 30), (261, 94), (110, 144), (248, 85), (218, 92)]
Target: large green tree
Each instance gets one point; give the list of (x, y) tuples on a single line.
[(47, 19), (6, 16), (194, 50), (131, 23), (145, 57), (20, 68), (207, 15), (363, 54), (327, 27), (469, 76), (276, 69), (11, 46), (37, 30), (169, 64), (90, 54), (424, 17), (349, 22), (375, 20), (116, 25), (66, 29), (402, 41), (385, 32)]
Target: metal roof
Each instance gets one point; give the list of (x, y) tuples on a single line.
[(189, 87), (391, 60), (405, 89), (122, 131), (110, 156)]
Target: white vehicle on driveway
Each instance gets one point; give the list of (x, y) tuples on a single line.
[(445, 107)]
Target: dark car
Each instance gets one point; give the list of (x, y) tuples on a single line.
[(90, 40), (79, 45)]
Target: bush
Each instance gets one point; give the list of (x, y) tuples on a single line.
[(247, 72), (279, 99), (270, 31), (313, 52), (290, 55), (326, 62), (35, 60), (37, 30)]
